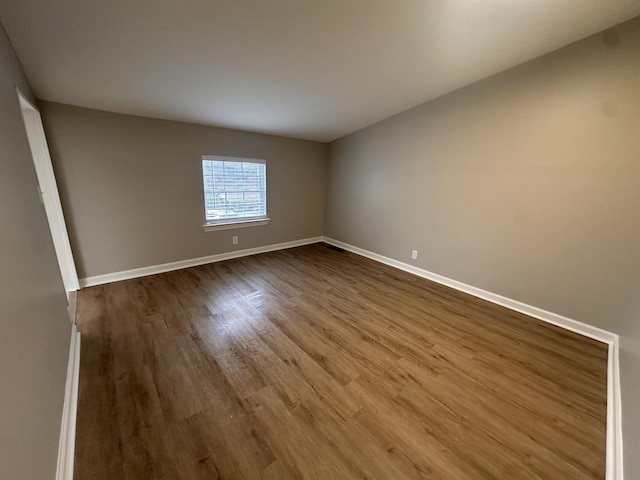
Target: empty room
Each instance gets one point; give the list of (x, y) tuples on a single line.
[(304, 239)]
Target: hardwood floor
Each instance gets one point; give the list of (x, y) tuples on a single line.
[(311, 363)]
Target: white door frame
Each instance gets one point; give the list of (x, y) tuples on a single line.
[(49, 192)]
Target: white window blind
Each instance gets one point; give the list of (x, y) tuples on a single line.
[(234, 189)]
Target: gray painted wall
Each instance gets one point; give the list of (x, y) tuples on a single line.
[(131, 187), (525, 184), (34, 326), (630, 388)]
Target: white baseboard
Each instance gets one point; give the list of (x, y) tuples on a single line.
[(549, 317), (66, 448), (193, 262), (614, 462)]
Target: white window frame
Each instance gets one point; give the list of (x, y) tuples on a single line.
[(231, 223)]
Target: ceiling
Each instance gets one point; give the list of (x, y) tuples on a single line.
[(313, 69)]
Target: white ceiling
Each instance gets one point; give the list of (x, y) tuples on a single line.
[(314, 69)]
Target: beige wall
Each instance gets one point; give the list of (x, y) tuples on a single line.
[(526, 184), (131, 187), (34, 326)]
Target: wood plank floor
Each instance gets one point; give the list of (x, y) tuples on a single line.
[(311, 363)]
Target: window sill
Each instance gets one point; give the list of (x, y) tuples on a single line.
[(239, 223)]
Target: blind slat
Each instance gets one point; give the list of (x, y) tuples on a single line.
[(234, 188)]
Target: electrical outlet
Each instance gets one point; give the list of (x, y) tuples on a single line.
[(235, 240), (414, 254)]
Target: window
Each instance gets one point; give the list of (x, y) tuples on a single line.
[(235, 192)]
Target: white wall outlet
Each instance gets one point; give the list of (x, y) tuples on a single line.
[(414, 254), (235, 240)]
